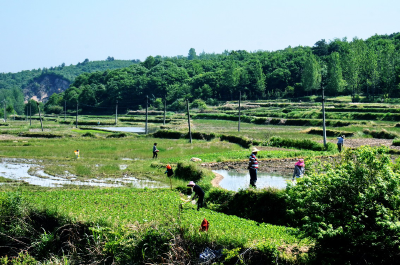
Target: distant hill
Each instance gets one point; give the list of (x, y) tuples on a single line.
[(40, 84)]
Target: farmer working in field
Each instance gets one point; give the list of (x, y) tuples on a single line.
[(298, 169), (340, 143), (253, 167), (155, 150), (198, 192), (169, 171)]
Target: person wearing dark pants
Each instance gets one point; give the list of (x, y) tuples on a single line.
[(198, 192), (340, 143), (253, 167), (155, 150)]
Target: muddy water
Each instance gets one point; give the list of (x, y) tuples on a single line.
[(23, 170), (235, 181)]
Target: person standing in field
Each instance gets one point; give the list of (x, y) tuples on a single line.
[(169, 171), (198, 192), (253, 167), (155, 150), (298, 169), (340, 143)]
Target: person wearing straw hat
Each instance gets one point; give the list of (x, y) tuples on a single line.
[(298, 169), (253, 167), (198, 192)]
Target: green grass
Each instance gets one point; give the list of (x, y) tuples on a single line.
[(163, 209)]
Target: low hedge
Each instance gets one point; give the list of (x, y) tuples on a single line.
[(266, 205), (170, 134), (331, 133), (160, 120), (383, 134), (300, 144), (94, 122), (242, 141), (396, 142), (40, 134)]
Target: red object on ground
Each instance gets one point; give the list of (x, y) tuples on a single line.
[(204, 225)]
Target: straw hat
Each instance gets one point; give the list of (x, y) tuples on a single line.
[(254, 150), (191, 184)]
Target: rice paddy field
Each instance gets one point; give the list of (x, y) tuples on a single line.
[(124, 224)]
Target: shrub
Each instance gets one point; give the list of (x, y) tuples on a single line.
[(300, 144), (40, 134), (242, 141), (117, 135), (167, 134), (396, 142), (89, 134), (189, 171), (383, 134), (267, 205), (351, 208), (319, 131)]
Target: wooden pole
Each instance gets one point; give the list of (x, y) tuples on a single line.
[(116, 113), (30, 113), (40, 116), (147, 103), (65, 109), (76, 120), (165, 108), (323, 117), (188, 113), (240, 98)]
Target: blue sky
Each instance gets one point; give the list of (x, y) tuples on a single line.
[(45, 33)]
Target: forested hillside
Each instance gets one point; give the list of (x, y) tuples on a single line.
[(358, 67), (41, 83), (368, 67)]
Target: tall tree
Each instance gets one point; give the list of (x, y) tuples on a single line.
[(311, 77), (335, 82), (192, 54)]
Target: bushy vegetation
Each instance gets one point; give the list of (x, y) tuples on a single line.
[(328, 132), (300, 144), (267, 205), (240, 140), (351, 208), (382, 134)]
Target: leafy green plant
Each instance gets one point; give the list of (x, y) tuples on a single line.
[(300, 144), (351, 208)]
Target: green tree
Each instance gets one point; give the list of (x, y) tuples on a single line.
[(311, 77), (192, 54), (335, 83)]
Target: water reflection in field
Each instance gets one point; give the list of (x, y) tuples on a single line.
[(235, 180), (23, 170)]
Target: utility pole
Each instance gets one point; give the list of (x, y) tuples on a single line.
[(30, 113), (65, 109), (323, 117), (5, 113), (76, 121), (40, 116), (147, 104), (188, 113), (240, 98), (165, 108), (116, 113)]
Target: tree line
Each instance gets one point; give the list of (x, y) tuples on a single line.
[(358, 67), (369, 67)]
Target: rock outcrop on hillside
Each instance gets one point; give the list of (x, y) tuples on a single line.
[(42, 87)]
